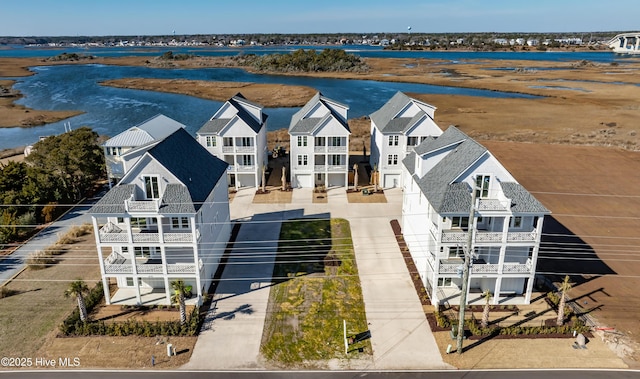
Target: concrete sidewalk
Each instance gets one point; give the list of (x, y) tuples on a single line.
[(400, 334)]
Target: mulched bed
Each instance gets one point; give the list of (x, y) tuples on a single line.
[(413, 271)]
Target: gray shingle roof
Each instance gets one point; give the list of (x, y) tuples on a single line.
[(437, 184), (385, 118), (521, 200), (447, 196), (301, 125), (153, 129), (191, 163), (185, 158), (216, 125), (113, 201)]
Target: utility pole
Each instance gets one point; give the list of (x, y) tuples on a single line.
[(465, 269)]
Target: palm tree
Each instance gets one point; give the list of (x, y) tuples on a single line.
[(485, 312), (78, 288), (180, 289), (564, 288)]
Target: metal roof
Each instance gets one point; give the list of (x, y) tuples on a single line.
[(153, 129)]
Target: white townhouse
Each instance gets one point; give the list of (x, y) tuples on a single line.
[(319, 140), (237, 134), (137, 137), (506, 228), (167, 219), (396, 128)]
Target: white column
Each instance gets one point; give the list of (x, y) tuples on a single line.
[(105, 289)]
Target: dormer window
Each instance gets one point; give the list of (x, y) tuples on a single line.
[(151, 188), (482, 186)]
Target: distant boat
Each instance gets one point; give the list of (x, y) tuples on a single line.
[(626, 43)]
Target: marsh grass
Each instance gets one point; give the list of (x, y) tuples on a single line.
[(308, 304)]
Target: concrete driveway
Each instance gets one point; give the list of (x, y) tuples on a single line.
[(400, 334)]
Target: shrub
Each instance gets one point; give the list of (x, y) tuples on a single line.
[(39, 260)]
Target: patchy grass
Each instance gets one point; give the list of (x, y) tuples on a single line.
[(317, 288)]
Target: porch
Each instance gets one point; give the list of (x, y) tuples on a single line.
[(149, 297)]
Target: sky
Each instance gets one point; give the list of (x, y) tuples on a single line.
[(163, 17)]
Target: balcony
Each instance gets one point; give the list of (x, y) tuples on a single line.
[(320, 149), (245, 149), (245, 168), (142, 206), (459, 236), (227, 149), (337, 149), (493, 205), (118, 264), (110, 233), (337, 168), (319, 167), (455, 266)]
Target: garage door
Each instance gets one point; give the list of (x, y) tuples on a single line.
[(391, 181), (303, 181)]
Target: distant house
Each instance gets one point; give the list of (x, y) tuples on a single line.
[(237, 134), (319, 136), (167, 219), (138, 137), (396, 128), (440, 176)]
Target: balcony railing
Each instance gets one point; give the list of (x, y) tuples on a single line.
[(108, 234), (319, 167), (133, 206), (119, 265), (337, 149), (245, 168), (459, 236), (177, 237), (486, 268), (227, 149), (337, 168), (493, 205), (319, 149), (246, 149)]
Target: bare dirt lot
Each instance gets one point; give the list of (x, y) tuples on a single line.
[(592, 236)]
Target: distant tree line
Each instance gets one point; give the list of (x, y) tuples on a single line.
[(328, 60), (60, 169)]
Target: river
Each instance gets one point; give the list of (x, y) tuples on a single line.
[(112, 110)]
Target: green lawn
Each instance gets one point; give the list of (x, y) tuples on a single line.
[(317, 288)]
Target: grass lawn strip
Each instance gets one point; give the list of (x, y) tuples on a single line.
[(317, 287)]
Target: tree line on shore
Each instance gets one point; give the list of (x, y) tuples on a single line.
[(59, 170)]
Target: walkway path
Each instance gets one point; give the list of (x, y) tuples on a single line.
[(400, 334)]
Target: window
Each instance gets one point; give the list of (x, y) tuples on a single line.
[(302, 140), (516, 222), (335, 160), (392, 159), (151, 188), (130, 282), (482, 186), (114, 150), (211, 141), (460, 222), (139, 222), (336, 141), (246, 160), (179, 222), (246, 141), (444, 282), (227, 141), (412, 141), (456, 252), (302, 160), (120, 220), (393, 140), (319, 141), (142, 251)]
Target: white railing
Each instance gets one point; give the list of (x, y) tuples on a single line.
[(246, 149), (114, 237), (493, 205), (182, 268), (433, 229), (337, 168), (319, 167), (337, 149), (516, 268), (118, 269), (319, 149), (449, 268), (454, 236), (488, 237), (245, 167), (521, 237), (149, 269), (145, 237), (484, 268), (177, 237), (142, 206), (227, 149)]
